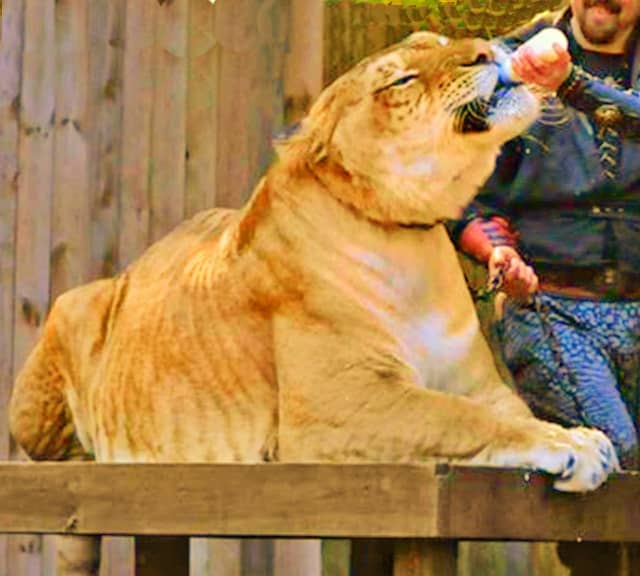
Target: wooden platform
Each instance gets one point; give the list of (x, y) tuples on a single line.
[(319, 500)]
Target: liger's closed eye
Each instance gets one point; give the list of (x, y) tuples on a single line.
[(400, 81)]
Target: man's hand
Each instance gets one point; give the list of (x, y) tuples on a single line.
[(548, 70), (519, 281)]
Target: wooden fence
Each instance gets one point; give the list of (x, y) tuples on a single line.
[(418, 512), (118, 118)]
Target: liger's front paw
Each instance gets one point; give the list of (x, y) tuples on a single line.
[(580, 458), (595, 458)]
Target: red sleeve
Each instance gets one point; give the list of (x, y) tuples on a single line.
[(480, 237)]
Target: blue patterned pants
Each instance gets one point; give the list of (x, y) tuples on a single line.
[(577, 362)]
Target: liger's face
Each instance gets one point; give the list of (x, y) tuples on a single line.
[(603, 21)]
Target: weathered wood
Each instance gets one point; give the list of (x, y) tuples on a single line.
[(202, 108), (236, 37), (298, 500), (10, 80), (117, 556), (303, 62), (168, 140), (472, 498), (297, 557), (425, 558), (71, 213), (137, 101), (335, 557), (162, 556), (371, 556), (215, 557), (293, 500), (106, 59), (33, 229)]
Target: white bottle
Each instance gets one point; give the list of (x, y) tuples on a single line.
[(542, 46)]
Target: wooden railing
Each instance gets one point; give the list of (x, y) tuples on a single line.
[(423, 510)]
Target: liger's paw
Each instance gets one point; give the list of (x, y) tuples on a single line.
[(581, 458), (595, 459)]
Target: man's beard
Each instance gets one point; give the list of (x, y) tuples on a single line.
[(598, 34)]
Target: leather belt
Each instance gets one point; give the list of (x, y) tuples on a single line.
[(599, 283)]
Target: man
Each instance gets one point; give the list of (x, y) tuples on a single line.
[(560, 218)]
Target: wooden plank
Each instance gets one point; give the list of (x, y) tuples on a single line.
[(138, 96), (297, 557), (10, 80), (117, 556), (202, 108), (70, 234), (425, 558), (216, 557), (162, 556), (168, 142), (236, 36), (303, 63), (335, 557), (304, 60), (371, 556), (303, 500), (472, 499), (106, 59), (33, 229), (218, 499)]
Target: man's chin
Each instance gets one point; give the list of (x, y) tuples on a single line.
[(600, 27)]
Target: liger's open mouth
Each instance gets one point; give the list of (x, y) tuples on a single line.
[(497, 103)]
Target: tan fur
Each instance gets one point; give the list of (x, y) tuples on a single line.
[(327, 320)]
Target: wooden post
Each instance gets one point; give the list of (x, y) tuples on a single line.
[(413, 557), (10, 78), (137, 103), (168, 130), (303, 63), (162, 556), (371, 557)]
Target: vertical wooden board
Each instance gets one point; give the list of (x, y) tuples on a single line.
[(10, 80), (117, 556), (168, 143), (35, 183), (235, 31), (266, 111), (425, 558), (202, 108), (24, 555), (70, 232), (35, 187), (162, 556), (483, 559), (304, 54), (371, 556), (257, 557), (336, 554), (137, 101), (543, 559), (215, 557), (106, 55), (297, 557)]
